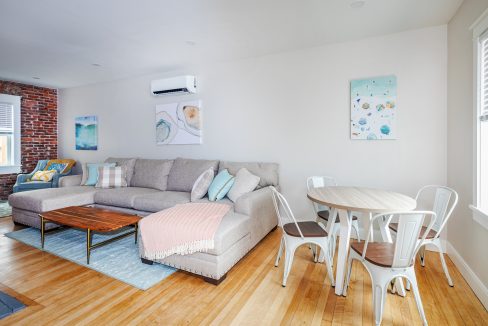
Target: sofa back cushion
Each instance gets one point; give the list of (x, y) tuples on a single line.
[(185, 172), (267, 172), (128, 163), (151, 174)]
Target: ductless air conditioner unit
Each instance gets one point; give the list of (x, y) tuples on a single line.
[(174, 86)]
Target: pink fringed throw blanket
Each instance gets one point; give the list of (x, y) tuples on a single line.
[(183, 229)]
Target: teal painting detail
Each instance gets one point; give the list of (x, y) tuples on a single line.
[(385, 130), (373, 108), (86, 133)]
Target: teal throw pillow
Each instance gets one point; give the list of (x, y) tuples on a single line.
[(220, 185), (93, 172)]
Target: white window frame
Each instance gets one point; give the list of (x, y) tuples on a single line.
[(479, 27), (15, 102)]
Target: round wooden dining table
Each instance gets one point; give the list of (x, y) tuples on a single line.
[(367, 201)]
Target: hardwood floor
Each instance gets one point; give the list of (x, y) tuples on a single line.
[(59, 292)]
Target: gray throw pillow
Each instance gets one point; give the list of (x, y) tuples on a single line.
[(200, 187), (151, 174), (244, 182), (186, 171)]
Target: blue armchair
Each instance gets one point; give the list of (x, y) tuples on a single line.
[(24, 183)]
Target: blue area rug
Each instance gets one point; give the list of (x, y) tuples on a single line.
[(5, 209), (9, 305), (119, 259)]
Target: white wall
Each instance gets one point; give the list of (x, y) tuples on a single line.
[(467, 237), (291, 108)]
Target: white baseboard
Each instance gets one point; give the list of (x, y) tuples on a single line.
[(474, 282)]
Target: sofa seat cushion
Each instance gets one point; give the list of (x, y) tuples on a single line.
[(44, 200), (233, 228), (160, 200), (121, 197)]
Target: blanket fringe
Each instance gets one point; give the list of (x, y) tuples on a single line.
[(182, 249)]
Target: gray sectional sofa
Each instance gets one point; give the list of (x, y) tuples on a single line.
[(158, 184)]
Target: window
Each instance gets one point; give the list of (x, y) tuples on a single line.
[(480, 198), (482, 125), (6, 134), (9, 134)]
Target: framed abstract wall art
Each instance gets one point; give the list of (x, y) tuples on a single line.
[(373, 108), (179, 123), (86, 131)]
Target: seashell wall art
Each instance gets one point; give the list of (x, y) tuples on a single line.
[(373, 108), (179, 123)]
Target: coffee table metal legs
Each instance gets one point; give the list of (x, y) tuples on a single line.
[(88, 246), (43, 227), (135, 232), (89, 236)]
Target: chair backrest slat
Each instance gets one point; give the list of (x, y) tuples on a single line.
[(318, 182), (283, 210), (445, 200), (409, 227), (441, 203)]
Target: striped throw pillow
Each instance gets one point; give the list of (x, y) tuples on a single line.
[(111, 177)]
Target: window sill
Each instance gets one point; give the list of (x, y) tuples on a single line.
[(480, 216), (10, 169)]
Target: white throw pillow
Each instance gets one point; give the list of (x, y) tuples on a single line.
[(200, 187), (244, 182)]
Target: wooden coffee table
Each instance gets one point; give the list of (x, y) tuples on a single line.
[(90, 219)]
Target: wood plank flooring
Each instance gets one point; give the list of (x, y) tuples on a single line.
[(59, 292)]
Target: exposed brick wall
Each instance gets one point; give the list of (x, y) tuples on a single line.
[(39, 127)]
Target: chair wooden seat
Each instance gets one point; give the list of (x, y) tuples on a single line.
[(378, 253), (430, 235), (309, 229), (325, 215)]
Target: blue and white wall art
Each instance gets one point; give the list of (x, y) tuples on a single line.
[(86, 133), (373, 108), (179, 123)]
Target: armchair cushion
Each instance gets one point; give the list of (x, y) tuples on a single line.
[(32, 185)]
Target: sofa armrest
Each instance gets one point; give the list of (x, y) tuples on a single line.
[(23, 177), (259, 206), (70, 181)]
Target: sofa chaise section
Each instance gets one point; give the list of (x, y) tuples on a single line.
[(26, 206)]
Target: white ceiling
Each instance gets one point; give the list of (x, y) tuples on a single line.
[(59, 40)]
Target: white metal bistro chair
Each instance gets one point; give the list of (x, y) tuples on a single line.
[(387, 261), (323, 212), (296, 234), (445, 200)]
